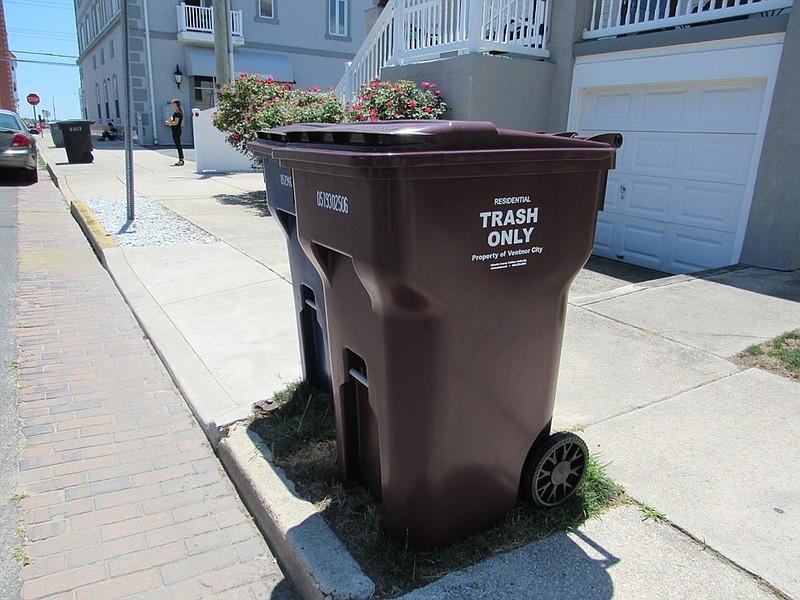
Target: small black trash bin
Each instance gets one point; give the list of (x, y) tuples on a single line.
[(77, 140), (447, 250)]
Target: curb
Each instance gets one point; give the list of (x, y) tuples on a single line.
[(94, 231), (314, 557)]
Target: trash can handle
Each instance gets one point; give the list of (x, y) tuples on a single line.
[(612, 139), (359, 377)]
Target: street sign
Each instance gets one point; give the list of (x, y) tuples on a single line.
[(33, 99)]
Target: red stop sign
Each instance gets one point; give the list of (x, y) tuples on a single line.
[(33, 99)]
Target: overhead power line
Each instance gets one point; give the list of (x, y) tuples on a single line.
[(42, 34), (43, 54), (39, 62), (32, 3)]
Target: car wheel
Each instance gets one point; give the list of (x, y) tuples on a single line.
[(32, 175)]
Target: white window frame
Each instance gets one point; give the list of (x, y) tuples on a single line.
[(338, 10), (272, 11)]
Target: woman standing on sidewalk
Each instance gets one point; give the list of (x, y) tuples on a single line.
[(176, 123)]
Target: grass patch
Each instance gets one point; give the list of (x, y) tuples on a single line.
[(18, 497), (651, 514), (19, 554), (298, 427), (780, 355)]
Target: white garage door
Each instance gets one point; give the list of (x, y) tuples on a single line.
[(675, 201)]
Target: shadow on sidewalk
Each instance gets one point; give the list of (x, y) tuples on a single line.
[(767, 282), (257, 200), (13, 178), (622, 271)]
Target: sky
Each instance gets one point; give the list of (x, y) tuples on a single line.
[(37, 30)]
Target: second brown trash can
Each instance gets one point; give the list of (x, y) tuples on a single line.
[(447, 250)]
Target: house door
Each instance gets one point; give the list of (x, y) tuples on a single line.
[(678, 197)]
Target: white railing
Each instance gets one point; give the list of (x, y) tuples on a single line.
[(201, 19), (618, 17), (416, 30)]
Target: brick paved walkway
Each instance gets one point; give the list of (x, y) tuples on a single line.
[(126, 498)]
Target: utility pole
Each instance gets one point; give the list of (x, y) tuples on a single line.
[(222, 42), (126, 77)]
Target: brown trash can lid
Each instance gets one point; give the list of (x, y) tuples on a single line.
[(423, 136)]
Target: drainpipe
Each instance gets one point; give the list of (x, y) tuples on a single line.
[(150, 74)]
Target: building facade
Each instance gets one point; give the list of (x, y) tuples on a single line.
[(303, 41), (704, 93), (9, 98)]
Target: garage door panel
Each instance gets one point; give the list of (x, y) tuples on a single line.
[(695, 252), (707, 107), (605, 109), (723, 158), (663, 246), (654, 154), (696, 204), (709, 206), (664, 106), (649, 197), (643, 240), (604, 236), (720, 107)]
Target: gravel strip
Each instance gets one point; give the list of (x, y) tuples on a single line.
[(153, 225)]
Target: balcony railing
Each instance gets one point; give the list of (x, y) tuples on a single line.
[(200, 20), (416, 30), (619, 17)]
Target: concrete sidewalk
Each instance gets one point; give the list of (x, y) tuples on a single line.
[(644, 374)]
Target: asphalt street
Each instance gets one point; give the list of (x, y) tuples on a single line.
[(10, 585)]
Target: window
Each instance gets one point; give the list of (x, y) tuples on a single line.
[(115, 89), (105, 96), (97, 93), (203, 92), (94, 62), (102, 56), (111, 49), (95, 22), (337, 18), (266, 9)]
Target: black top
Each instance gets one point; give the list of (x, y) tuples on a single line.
[(177, 116)]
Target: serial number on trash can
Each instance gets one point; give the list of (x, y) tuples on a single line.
[(334, 202)]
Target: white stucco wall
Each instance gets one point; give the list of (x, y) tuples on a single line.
[(212, 152)]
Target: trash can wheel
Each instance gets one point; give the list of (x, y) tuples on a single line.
[(555, 469), (87, 157)]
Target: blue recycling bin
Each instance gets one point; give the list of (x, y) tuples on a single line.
[(309, 297)]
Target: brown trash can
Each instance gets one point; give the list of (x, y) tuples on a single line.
[(446, 251)]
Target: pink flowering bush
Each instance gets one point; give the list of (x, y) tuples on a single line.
[(252, 104), (386, 101), (314, 106)]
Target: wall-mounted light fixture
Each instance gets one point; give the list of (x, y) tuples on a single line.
[(178, 76)]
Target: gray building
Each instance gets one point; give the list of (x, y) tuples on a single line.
[(302, 41), (704, 92)]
